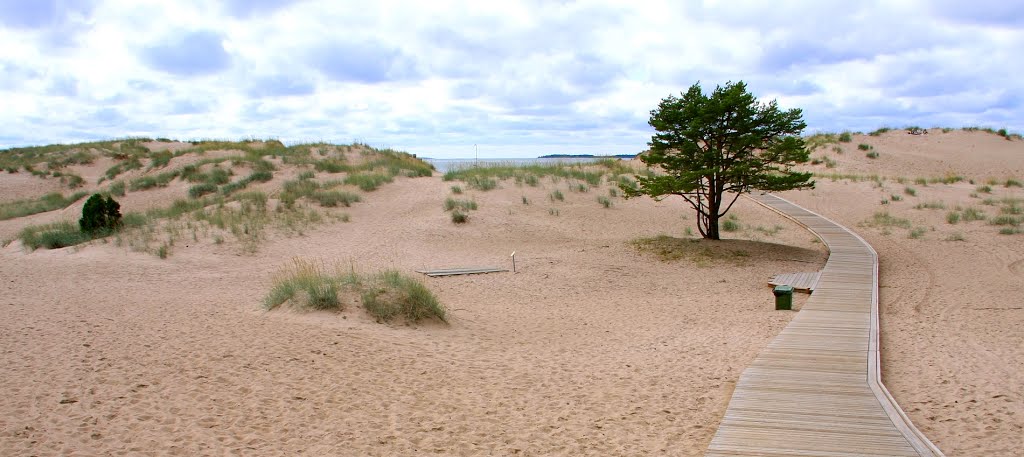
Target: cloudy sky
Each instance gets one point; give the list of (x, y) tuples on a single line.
[(517, 79)]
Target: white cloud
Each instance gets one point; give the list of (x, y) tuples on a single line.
[(517, 78)]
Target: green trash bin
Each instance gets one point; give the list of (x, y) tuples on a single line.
[(783, 297)]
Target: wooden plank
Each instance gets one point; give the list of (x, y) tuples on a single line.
[(816, 388), (461, 271), (799, 281)]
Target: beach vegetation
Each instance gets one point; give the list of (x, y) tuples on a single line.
[(100, 215), (465, 205), (725, 143), (391, 294), (27, 207)]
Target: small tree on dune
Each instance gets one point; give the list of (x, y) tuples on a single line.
[(100, 215), (709, 146)]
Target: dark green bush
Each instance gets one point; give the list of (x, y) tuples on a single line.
[(100, 215)]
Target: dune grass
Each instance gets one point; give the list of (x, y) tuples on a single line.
[(48, 202), (307, 284), (368, 181), (390, 295), (465, 205), (52, 236), (884, 219), (386, 296)]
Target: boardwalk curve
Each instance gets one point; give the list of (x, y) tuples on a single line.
[(816, 390)]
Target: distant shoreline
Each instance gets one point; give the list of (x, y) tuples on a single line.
[(587, 156)]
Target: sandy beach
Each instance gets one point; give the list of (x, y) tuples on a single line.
[(591, 347)]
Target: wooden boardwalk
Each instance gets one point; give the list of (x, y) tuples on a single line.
[(816, 389), (799, 281)]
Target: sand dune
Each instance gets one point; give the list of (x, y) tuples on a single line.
[(590, 348)]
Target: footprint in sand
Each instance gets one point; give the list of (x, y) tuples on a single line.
[(1017, 267)]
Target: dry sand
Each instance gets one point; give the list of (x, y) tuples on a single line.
[(591, 348)]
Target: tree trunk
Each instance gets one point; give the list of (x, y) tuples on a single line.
[(712, 226), (714, 204)]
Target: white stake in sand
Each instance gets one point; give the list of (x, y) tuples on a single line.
[(513, 261)]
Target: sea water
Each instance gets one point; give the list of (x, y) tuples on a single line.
[(446, 165)]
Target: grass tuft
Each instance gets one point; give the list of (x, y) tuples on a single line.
[(464, 205), (48, 202), (391, 295), (731, 224), (307, 285), (884, 219), (52, 236)]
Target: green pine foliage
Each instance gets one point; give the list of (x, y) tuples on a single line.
[(100, 215), (713, 148)]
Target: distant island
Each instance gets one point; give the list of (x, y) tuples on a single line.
[(586, 156)]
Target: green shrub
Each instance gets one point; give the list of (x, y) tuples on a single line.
[(100, 215), (880, 131), (459, 217), (910, 191), (916, 233), (731, 225), (872, 155), (306, 175), (952, 217), (984, 189), (532, 180), (525, 201), (1013, 183), (956, 236), (864, 147), (604, 201), (580, 187), (456, 190), (557, 195), (845, 137)]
